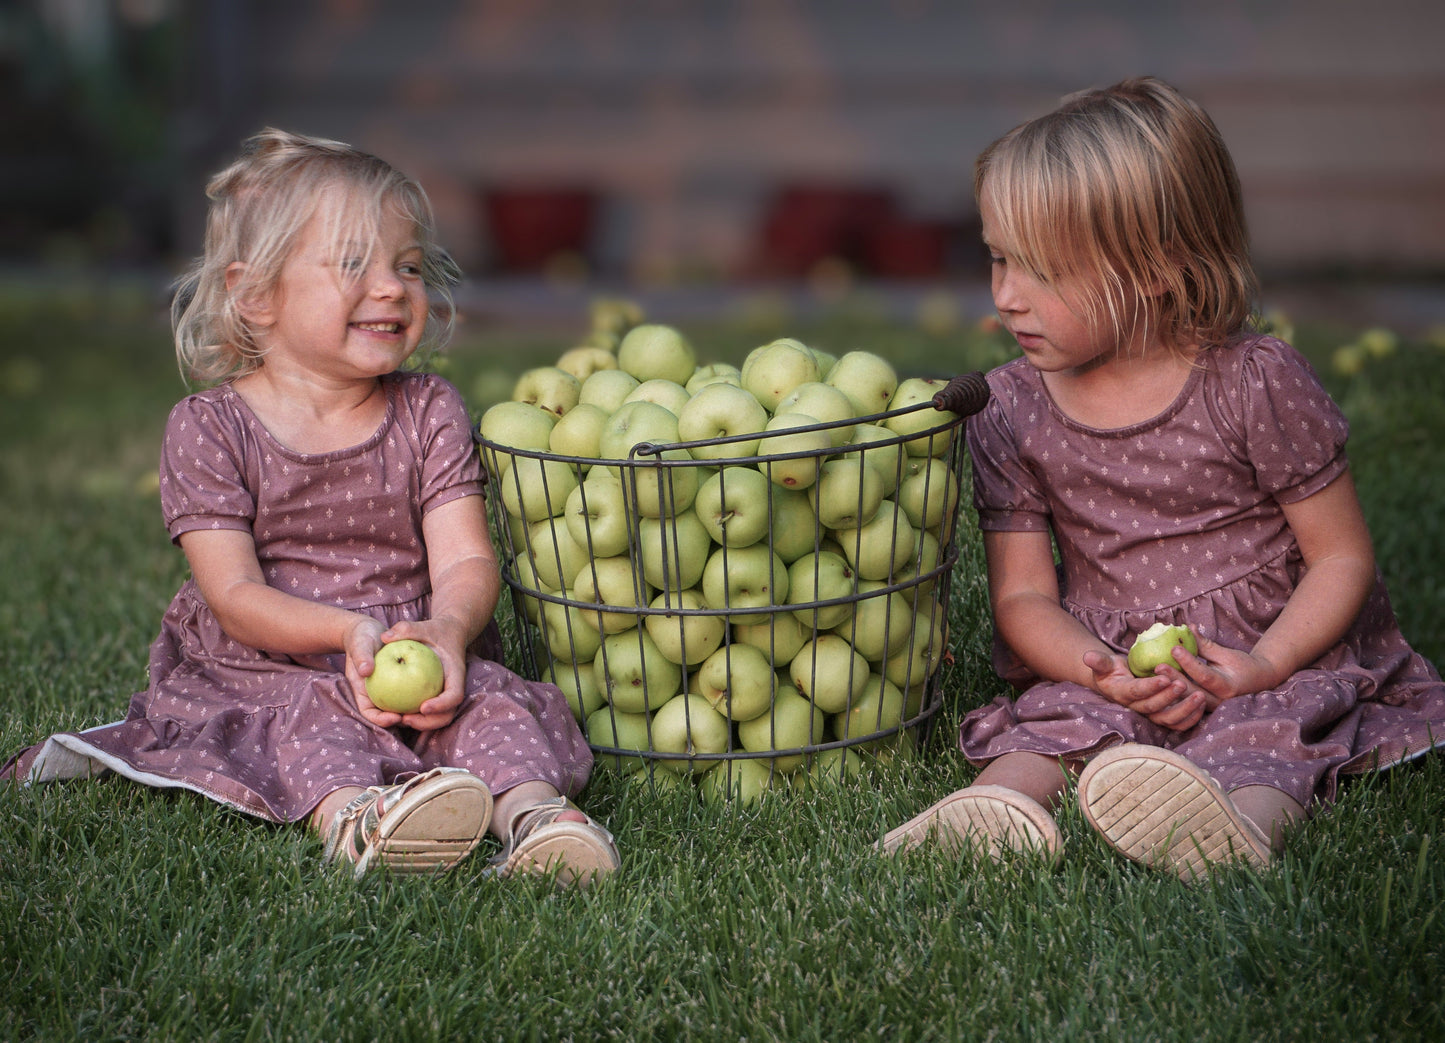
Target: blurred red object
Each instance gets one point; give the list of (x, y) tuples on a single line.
[(532, 226)]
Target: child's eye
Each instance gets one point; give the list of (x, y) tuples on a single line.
[(410, 268), (353, 264), (996, 259)]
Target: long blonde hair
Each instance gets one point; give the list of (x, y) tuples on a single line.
[(259, 205), (1131, 190)]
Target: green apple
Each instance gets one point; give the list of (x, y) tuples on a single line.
[(738, 681), (688, 728), (881, 622), (880, 548), (738, 579), (526, 575), (516, 425), (919, 391), (721, 411), (683, 628), (829, 672), (634, 676), (743, 779), (613, 729), (578, 683), (585, 360), (614, 316), (823, 402), (653, 350), (880, 708), (673, 551), (1155, 646), (780, 635), (579, 432), (606, 389), (734, 506), (668, 394), (596, 515), (835, 766), (564, 633), (791, 457), (795, 527), (617, 587), (548, 387), (406, 674), (538, 487), (881, 450), (921, 655), (556, 556), (867, 379), (714, 373), (774, 369), (816, 578), (661, 485), (634, 423), (826, 361), (847, 494), (925, 556), (929, 492), (792, 723)]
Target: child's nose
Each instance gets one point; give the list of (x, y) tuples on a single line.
[(386, 284)]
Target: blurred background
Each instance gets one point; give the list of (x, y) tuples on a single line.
[(689, 149)]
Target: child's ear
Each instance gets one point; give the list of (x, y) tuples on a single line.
[(255, 310)]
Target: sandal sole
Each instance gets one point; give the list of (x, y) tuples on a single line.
[(1163, 811), (994, 818), (575, 850), (432, 827)]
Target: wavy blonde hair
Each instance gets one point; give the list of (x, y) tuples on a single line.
[(1130, 191), (259, 205)]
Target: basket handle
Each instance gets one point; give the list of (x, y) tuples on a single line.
[(964, 395)]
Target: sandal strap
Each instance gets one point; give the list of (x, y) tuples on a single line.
[(526, 821), (361, 816)]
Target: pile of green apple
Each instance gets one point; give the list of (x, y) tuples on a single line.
[(728, 564)]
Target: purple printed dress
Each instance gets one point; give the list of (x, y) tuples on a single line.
[(272, 734), (1179, 519)]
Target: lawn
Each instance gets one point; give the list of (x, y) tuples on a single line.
[(132, 913)]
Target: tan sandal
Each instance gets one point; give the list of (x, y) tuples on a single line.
[(993, 819), (426, 824), (579, 852), (1164, 811)]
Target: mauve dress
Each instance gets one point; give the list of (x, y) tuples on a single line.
[(273, 734), (1179, 519)]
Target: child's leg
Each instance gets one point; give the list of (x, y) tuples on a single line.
[(1006, 808), (1269, 809), (542, 831), (522, 797)]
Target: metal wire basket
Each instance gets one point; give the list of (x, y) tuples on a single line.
[(739, 603)]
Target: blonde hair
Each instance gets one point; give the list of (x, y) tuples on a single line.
[(1131, 189), (259, 205)]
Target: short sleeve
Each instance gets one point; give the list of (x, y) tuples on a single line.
[(1294, 432), (451, 467), (202, 471), (1006, 492)]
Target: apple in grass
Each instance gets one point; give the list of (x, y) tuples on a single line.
[(668, 394), (787, 435), (611, 728), (607, 389), (1155, 646), (734, 506), (791, 723), (721, 410), (736, 579), (653, 350), (918, 391), (682, 627), (881, 547), (847, 494), (673, 551), (406, 674), (617, 588), (867, 379), (738, 681), (818, 577), (689, 729), (579, 433), (548, 387), (596, 515), (774, 369), (823, 402), (743, 779), (536, 488), (633, 675)]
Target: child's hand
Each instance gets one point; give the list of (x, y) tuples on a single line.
[(363, 641), (1168, 698), (1222, 672), (448, 641)]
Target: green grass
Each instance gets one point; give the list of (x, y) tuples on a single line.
[(131, 913)]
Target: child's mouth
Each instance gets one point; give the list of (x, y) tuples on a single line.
[(379, 327)]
